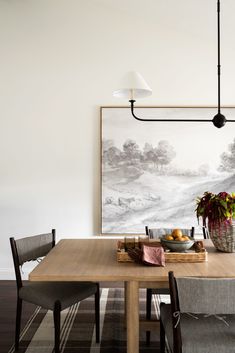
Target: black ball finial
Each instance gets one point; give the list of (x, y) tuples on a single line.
[(219, 120)]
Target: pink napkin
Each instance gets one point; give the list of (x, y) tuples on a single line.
[(153, 255)]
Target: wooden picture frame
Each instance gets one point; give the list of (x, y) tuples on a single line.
[(152, 172)]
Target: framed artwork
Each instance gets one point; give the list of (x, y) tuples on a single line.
[(152, 172)]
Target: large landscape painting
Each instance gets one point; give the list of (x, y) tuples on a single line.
[(152, 172)]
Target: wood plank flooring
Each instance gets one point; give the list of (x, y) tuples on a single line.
[(7, 314), (8, 310)]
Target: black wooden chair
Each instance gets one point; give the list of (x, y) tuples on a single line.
[(55, 296), (155, 233), (206, 234), (201, 316)]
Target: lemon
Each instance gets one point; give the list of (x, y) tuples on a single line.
[(169, 237), (185, 237), (176, 233)]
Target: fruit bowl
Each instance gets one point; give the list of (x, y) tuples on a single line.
[(176, 245)]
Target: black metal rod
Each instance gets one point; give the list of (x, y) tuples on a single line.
[(132, 101), (219, 66)]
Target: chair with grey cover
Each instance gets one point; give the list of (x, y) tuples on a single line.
[(156, 233), (55, 296), (201, 316)]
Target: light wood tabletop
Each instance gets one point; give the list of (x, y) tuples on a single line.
[(95, 260)]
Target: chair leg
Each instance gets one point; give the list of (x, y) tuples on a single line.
[(148, 312), (162, 334), (97, 313), (56, 315), (18, 321)]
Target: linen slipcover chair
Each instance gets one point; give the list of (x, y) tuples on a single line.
[(156, 233), (55, 296), (201, 316)]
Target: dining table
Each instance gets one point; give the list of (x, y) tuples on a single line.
[(96, 260)]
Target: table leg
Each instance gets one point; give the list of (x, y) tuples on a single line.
[(132, 312), (125, 304)]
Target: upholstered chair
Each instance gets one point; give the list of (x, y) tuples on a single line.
[(156, 233), (201, 316), (55, 296)]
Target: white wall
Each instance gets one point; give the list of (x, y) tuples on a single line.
[(60, 60)]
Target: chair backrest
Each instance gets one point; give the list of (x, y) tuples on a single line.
[(206, 295), (203, 295), (205, 231), (155, 233), (209, 296), (30, 249)]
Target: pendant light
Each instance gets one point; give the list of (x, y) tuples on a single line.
[(134, 86)]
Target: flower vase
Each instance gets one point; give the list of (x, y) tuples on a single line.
[(223, 235)]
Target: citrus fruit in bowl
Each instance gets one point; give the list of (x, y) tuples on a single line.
[(177, 241), (177, 233)]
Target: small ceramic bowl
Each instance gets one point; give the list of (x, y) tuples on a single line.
[(177, 246)]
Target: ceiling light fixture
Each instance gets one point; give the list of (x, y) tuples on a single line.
[(134, 86)]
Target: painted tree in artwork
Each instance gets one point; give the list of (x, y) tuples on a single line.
[(165, 153), (113, 156), (228, 158), (149, 153), (131, 151), (160, 155), (106, 144)]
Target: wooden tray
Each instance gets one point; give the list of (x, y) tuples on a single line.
[(189, 256)]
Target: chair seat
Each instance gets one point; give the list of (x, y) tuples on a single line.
[(207, 334), (46, 294)]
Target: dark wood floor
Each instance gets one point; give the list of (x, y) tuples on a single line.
[(8, 309), (7, 314)]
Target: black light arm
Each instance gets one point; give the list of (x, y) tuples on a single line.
[(132, 101), (219, 119)]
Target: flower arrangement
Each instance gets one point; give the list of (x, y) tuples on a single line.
[(218, 212), (216, 208)]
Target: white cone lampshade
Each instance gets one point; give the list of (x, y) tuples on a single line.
[(133, 86)]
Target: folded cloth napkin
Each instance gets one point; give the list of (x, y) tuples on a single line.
[(152, 255), (148, 255)]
